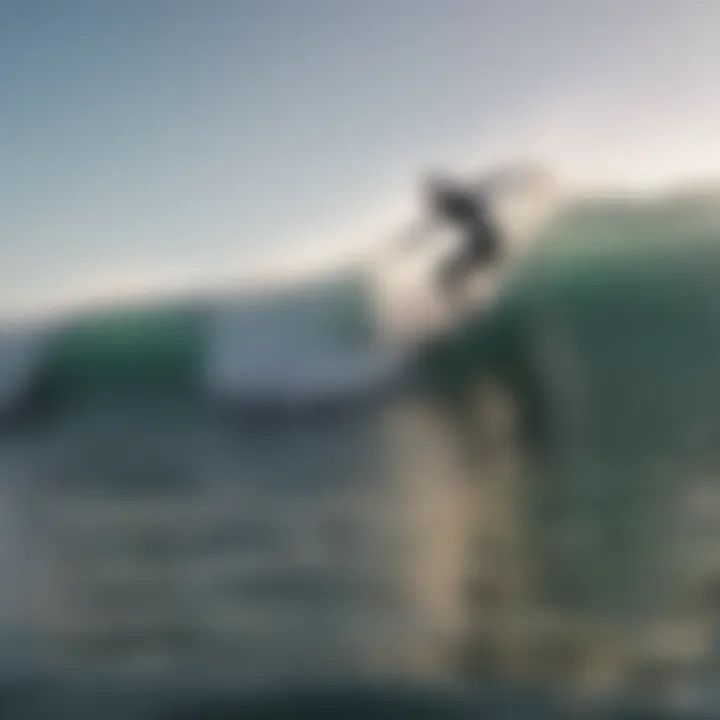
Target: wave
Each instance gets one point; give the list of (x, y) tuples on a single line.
[(302, 342), (598, 264)]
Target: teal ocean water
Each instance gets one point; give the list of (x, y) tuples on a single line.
[(203, 496)]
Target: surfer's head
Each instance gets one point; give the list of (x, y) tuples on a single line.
[(451, 200), (438, 192)]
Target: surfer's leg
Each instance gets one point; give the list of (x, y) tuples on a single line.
[(454, 272), (485, 245)]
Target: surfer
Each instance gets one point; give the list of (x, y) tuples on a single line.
[(467, 210)]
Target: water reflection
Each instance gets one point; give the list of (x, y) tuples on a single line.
[(419, 541)]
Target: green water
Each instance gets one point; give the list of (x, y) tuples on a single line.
[(606, 348), (610, 345)]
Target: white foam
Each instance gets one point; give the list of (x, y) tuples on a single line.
[(294, 355)]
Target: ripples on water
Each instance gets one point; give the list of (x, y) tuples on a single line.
[(156, 541), (551, 527)]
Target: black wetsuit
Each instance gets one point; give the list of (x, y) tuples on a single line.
[(481, 242)]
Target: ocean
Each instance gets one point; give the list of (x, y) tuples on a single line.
[(264, 491)]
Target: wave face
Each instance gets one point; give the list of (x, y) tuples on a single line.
[(602, 267)]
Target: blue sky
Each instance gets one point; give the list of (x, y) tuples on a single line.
[(145, 140)]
